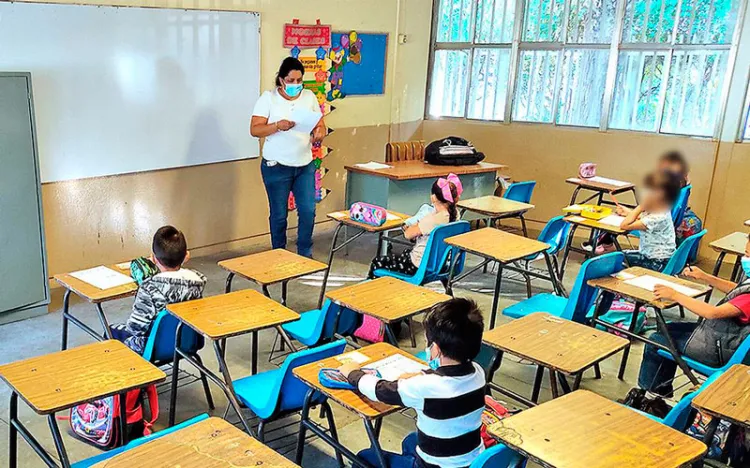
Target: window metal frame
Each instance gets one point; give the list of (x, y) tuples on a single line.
[(615, 47)]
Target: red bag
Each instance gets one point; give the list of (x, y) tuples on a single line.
[(372, 330), (493, 412)]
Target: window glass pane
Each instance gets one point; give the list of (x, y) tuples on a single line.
[(637, 87), (746, 133), (543, 20), (449, 81), (591, 21), (454, 21), (489, 83), (584, 73), (495, 20), (536, 83), (707, 22), (649, 21), (694, 92)]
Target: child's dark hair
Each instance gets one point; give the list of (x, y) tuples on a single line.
[(456, 326), (438, 192), (666, 181), (677, 158), (288, 65), (169, 246)]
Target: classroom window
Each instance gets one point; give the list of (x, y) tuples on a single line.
[(548, 61)]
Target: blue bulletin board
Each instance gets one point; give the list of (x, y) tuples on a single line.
[(367, 76)]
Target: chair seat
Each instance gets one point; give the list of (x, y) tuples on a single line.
[(259, 392), (381, 272), (553, 305), (303, 330), (643, 413), (699, 367)]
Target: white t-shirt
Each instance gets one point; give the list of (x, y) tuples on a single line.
[(290, 148)]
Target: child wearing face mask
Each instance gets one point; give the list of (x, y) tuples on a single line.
[(653, 218), (448, 398), (723, 328), (444, 196)]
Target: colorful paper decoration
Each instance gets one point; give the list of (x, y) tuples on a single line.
[(306, 36), (358, 63)]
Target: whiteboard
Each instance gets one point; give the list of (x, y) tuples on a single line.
[(120, 90)]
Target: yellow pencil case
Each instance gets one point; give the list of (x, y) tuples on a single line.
[(595, 212)]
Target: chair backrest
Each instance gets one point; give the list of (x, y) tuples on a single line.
[(436, 252), (348, 320), (741, 356), (678, 210), (404, 151), (555, 233), (160, 343), (520, 191), (291, 390), (499, 456), (679, 417), (680, 257), (582, 295)]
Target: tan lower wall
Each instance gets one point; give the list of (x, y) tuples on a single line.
[(729, 206), (111, 219)]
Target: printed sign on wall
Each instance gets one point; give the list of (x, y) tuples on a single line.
[(306, 36)]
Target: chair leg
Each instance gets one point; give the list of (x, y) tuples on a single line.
[(262, 430), (682, 311), (528, 282), (206, 388), (537, 384), (411, 332)]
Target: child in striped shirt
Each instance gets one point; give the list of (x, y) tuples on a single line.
[(448, 398)]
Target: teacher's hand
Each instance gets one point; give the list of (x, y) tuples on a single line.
[(284, 125), (318, 134)]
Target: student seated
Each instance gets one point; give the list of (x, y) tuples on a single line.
[(653, 218), (448, 398), (170, 285), (444, 196), (713, 341)]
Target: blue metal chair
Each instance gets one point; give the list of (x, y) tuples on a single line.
[(578, 305), (520, 192), (741, 356), (555, 233), (499, 456), (316, 325), (278, 392), (679, 259), (159, 349), (135, 443), (679, 207)]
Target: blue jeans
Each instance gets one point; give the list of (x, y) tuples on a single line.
[(657, 373), (635, 258), (280, 180), (407, 458)]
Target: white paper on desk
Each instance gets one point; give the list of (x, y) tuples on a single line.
[(123, 266), (612, 220), (304, 120), (604, 180), (577, 219), (623, 275), (373, 165), (391, 217), (649, 282), (354, 356), (393, 367), (102, 277)]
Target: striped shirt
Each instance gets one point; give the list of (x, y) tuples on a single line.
[(449, 402)]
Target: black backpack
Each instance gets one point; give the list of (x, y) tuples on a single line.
[(452, 151)]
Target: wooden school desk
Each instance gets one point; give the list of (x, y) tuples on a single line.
[(611, 285), (406, 185), (733, 244), (395, 220), (562, 346), (371, 412), (59, 381), (95, 296), (599, 188), (726, 398), (597, 228), (504, 248), (494, 208), (387, 299), (211, 443), (218, 318), (585, 430)]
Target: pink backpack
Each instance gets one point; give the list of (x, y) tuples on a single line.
[(372, 330), (587, 170)]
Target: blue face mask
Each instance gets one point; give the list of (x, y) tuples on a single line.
[(746, 265), (292, 90), (433, 363)]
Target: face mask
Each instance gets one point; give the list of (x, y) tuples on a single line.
[(433, 363), (746, 265), (292, 90)]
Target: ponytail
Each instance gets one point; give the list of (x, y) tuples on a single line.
[(452, 209)]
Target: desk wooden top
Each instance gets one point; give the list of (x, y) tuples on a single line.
[(733, 243), (406, 170), (491, 205), (343, 217), (585, 430), (581, 221), (617, 286), (555, 343), (211, 443), (388, 299), (232, 314), (61, 380), (728, 397), (600, 186), (350, 399), (496, 244), (272, 266), (93, 294)]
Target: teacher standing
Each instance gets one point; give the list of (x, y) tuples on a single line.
[(287, 164)]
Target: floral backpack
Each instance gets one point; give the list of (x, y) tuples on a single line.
[(372, 330)]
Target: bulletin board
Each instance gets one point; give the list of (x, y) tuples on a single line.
[(368, 76)]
